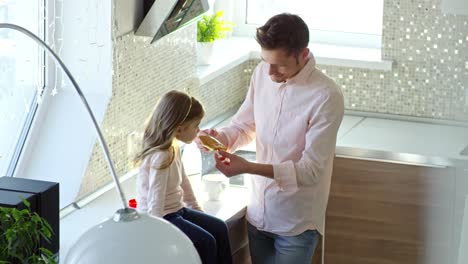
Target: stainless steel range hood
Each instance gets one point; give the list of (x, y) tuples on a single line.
[(162, 17)]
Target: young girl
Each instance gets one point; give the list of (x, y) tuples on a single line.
[(163, 189)]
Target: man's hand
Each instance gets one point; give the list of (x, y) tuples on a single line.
[(230, 164)]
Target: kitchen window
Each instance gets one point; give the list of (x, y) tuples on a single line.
[(333, 22), (21, 77)]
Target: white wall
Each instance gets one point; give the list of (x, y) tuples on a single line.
[(128, 15), (459, 7), (60, 146)]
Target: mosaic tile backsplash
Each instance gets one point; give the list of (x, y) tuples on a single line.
[(429, 78), (142, 73), (430, 74)]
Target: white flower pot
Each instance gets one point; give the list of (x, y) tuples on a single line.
[(204, 52)]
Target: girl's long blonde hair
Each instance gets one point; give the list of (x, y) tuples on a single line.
[(175, 108)]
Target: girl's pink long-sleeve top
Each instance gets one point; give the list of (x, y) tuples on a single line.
[(164, 191)]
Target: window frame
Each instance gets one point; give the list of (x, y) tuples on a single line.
[(238, 14), (26, 129)]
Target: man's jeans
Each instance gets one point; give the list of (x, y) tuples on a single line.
[(268, 248)]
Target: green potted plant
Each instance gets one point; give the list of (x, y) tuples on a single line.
[(210, 28), (20, 233)]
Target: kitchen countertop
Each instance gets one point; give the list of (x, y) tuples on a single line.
[(432, 140), (398, 137)]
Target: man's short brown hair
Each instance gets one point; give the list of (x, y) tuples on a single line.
[(286, 31)]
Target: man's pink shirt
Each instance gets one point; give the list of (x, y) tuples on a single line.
[(295, 126)]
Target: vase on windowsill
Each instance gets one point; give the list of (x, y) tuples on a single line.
[(209, 29), (204, 52)]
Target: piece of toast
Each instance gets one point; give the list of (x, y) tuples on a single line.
[(211, 143)]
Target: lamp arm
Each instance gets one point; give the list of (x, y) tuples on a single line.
[(83, 100)]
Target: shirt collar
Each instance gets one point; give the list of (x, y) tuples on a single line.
[(308, 68)]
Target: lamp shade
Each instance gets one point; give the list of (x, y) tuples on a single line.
[(145, 240)]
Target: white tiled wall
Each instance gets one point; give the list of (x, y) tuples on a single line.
[(430, 74)]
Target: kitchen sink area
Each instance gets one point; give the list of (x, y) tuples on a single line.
[(208, 166)]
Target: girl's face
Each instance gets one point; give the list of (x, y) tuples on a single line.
[(188, 132)]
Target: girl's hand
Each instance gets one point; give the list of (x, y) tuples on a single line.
[(230, 164)]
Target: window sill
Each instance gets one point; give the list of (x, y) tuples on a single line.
[(365, 58), (232, 52), (227, 54)]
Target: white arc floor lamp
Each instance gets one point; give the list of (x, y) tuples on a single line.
[(128, 236)]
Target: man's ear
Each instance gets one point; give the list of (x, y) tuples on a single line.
[(305, 53)]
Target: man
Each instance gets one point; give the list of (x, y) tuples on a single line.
[(293, 111)]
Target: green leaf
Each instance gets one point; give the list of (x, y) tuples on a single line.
[(213, 27), (20, 233), (26, 202)]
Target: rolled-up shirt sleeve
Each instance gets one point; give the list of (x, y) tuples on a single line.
[(320, 144), (285, 175)]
